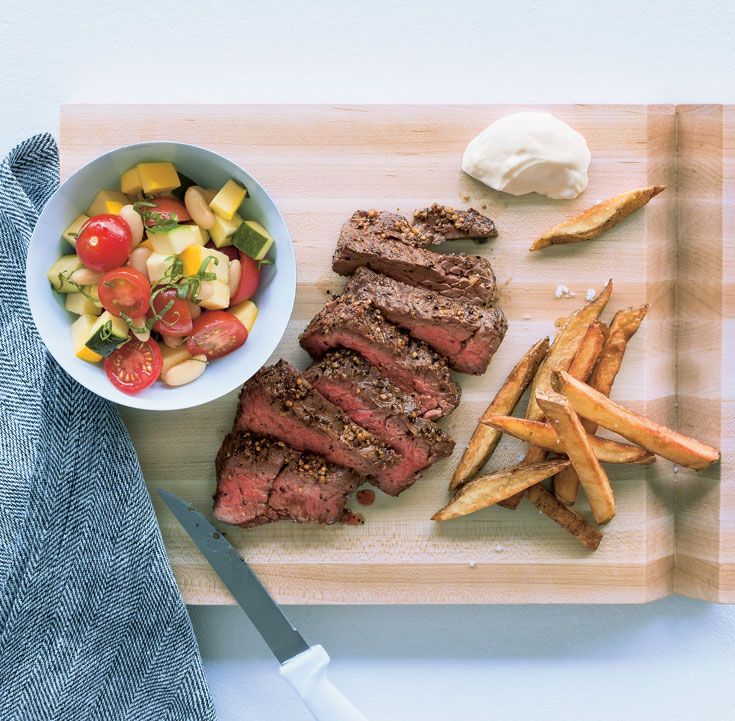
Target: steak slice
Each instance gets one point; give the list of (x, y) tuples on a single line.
[(439, 223), (261, 480), (468, 277), (277, 401), (379, 406), (353, 322), (467, 335)]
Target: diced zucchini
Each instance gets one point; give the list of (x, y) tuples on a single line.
[(80, 332), (195, 255), (107, 201), (106, 334), (223, 230), (130, 182), (173, 356), (228, 200), (158, 177), (58, 274), (81, 305), (158, 264), (185, 182), (246, 312), (220, 296), (253, 239), (70, 234), (176, 240)]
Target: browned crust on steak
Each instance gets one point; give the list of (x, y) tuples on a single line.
[(261, 480), (374, 402), (278, 401), (353, 322), (467, 277), (466, 335), (440, 222)]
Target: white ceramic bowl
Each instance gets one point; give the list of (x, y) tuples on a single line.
[(275, 297)]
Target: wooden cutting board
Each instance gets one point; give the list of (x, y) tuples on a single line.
[(674, 531)]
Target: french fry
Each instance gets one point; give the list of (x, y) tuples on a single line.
[(596, 220), (570, 521), (485, 438), (565, 346), (589, 350), (648, 434), (561, 354), (488, 490), (624, 325), (543, 435), (573, 437)]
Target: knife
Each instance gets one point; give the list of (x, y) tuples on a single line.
[(303, 666)]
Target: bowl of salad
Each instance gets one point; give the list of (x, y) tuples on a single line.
[(161, 275)]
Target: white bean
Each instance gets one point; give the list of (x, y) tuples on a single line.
[(197, 207), (85, 276), (138, 260), (173, 341), (206, 290), (131, 216), (186, 371), (235, 273), (195, 310)]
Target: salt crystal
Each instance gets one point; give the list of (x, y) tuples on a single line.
[(591, 294), (526, 317), (561, 290), (472, 564), (499, 549)]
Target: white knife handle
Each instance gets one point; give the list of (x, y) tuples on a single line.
[(307, 673)]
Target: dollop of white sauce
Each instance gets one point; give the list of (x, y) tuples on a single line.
[(530, 152)]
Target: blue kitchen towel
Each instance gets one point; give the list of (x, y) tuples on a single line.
[(92, 625)]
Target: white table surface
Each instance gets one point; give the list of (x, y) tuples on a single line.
[(672, 659)]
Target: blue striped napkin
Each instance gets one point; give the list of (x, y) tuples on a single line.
[(92, 625)]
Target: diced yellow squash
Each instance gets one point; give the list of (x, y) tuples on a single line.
[(146, 244), (130, 182), (223, 230), (220, 296), (107, 201), (177, 240), (173, 356), (158, 264), (79, 304), (195, 255), (158, 177), (246, 312), (70, 234), (80, 331), (228, 200)]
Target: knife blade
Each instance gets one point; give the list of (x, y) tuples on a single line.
[(303, 666), (283, 639)]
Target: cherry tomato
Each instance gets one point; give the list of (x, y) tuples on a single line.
[(125, 290), (177, 320), (249, 280), (104, 242), (166, 207), (216, 333), (229, 250), (134, 366)]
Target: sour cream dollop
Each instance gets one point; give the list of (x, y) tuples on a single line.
[(530, 152)]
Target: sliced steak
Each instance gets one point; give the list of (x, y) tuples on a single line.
[(261, 480), (277, 401), (468, 277), (353, 322), (467, 335), (439, 223), (379, 406)]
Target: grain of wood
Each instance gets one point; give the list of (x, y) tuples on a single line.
[(321, 163)]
